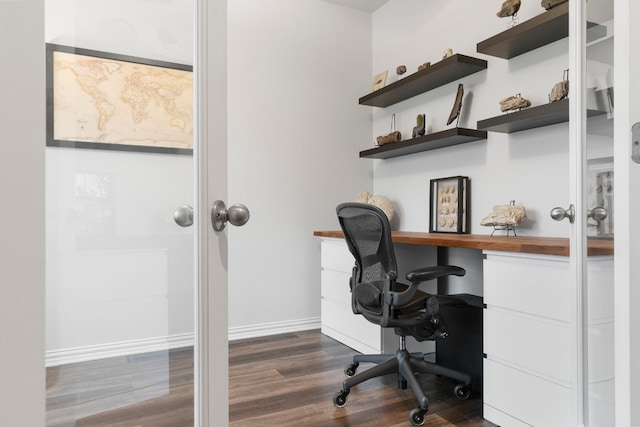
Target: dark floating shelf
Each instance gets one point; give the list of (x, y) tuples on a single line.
[(438, 74), (532, 117), (548, 27), (432, 141)]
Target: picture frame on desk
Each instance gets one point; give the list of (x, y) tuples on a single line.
[(449, 201)]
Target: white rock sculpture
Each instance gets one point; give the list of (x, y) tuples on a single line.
[(380, 201)]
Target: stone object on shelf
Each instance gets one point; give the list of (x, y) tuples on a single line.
[(505, 215), (424, 66), (561, 89), (447, 53), (516, 102), (509, 8), (550, 4), (400, 70), (457, 105), (394, 136), (379, 201), (418, 130)]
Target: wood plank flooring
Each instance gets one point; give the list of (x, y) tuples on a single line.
[(283, 380)]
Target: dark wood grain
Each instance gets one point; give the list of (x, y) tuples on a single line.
[(524, 244), (290, 380), (442, 72), (281, 380), (432, 141)]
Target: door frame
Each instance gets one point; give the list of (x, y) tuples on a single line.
[(211, 313), (627, 206)]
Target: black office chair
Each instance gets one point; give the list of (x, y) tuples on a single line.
[(376, 295)]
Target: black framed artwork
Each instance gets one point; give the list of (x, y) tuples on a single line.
[(110, 101), (449, 202)]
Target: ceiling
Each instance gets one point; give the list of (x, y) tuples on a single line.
[(364, 5)]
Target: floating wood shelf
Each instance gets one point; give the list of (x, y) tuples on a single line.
[(536, 32), (530, 118), (432, 141), (438, 74)]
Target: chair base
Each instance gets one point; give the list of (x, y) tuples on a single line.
[(405, 365)]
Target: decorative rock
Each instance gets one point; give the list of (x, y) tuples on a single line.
[(505, 215), (514, 103), (457, 105), (550, 4), (401, 70), (380, 201), (447, 53), (424, 66), (509, 8), (394, 136), (418, 130), (559, 91)]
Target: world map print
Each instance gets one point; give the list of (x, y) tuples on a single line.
[(118, 102)]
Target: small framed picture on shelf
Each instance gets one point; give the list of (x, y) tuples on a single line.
[(449, 201), (379, 81)]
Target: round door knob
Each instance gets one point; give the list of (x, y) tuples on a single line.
[(237, 215), (558, 214), (598, 213), (183, 216)]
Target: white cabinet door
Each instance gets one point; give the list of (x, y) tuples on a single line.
[(337, 318)]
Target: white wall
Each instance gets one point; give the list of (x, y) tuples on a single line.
[(118, 268), (529, 167), (22, 273), (296, 71)]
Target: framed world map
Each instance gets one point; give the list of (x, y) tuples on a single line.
[(118, 102)]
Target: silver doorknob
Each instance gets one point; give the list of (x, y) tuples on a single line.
[(183, 216), (598, 213), (237, 215), (558, 214)]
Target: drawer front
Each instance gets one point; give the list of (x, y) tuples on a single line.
[(335, 287), (351, 326), (538, 286), (525, 397), (539, 346), (336, 256)]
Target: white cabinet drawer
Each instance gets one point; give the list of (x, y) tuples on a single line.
[(525, 397), (335, 287), (536, 285), (336, 256), (351, 329), (532, 343)]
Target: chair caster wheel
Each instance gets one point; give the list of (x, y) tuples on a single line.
[(340, 399), (350, 370), (462, 391), (416, 417)]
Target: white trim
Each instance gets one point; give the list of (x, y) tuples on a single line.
[(124, 348), (274, 328)]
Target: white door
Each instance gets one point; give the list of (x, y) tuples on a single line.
[(591, 212), (627, 270), (22, 397), (602, 174)]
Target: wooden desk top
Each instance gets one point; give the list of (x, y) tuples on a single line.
[(531, 245)]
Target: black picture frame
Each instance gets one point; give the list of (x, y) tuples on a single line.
[(449, 205), (95, 68)]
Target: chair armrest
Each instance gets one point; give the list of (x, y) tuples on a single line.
[(429, 273)]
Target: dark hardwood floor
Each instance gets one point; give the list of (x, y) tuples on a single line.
[(283, 380)]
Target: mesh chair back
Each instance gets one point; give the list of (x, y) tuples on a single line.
[(368, 236)]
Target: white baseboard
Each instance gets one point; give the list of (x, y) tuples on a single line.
[(126, 348), (274, 328)]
